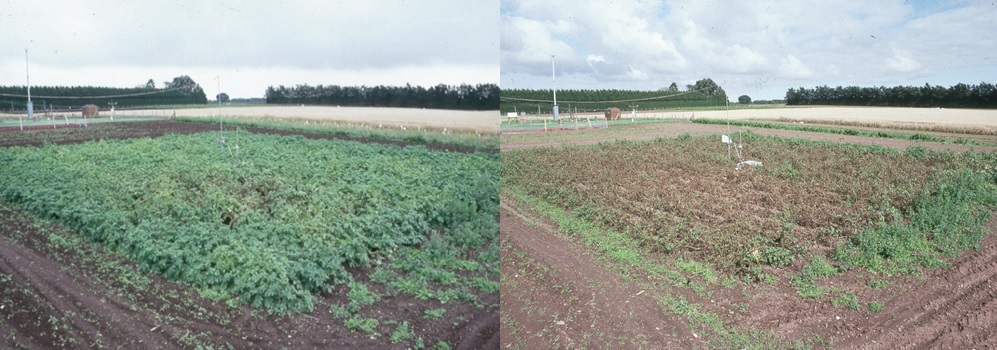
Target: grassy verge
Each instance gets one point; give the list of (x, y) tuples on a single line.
[(844, 131)]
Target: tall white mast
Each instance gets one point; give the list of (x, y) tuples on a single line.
[(27, 76)]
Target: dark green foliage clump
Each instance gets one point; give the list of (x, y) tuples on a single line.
[(270, 222)]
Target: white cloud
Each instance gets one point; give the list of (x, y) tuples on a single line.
[(902, 61), (528, 44), (759, 47), (792, 67), (80, 36)]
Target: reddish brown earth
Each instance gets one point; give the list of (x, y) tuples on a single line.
[(39, 127), (651, 131), (84, 297), (560, 291)]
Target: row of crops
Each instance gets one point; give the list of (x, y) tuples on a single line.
[(270, 221), (529, 100)]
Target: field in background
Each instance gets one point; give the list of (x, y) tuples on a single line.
[(481, 121), (885, 116), (410, 118), (888, 117)]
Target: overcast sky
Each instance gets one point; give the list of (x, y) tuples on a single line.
[(249, 45), (758, 48)]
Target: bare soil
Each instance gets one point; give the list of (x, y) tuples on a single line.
[(84, 297), (560, 291)]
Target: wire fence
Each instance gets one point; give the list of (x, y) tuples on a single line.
[(533, 124), (75, 118), (583, 121)]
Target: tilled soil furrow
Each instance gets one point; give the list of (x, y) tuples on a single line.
[(599, 304), (65, 292), (954, 309)]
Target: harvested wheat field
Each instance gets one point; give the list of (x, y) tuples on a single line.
[(482, 121), (955, 118)]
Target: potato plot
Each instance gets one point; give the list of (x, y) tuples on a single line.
[(271, 220), (684, 197)]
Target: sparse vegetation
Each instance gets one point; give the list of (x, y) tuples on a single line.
[(674, 214)]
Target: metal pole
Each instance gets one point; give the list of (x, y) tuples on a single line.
[(221, 124), (27, 76), (553, 76)]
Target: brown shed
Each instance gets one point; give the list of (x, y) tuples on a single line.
[(612, 113), (90, 111)]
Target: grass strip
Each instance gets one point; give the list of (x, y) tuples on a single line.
[(840, 131)]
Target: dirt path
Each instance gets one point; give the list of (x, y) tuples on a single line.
[(68, 293), (556, 294), (651, 131)]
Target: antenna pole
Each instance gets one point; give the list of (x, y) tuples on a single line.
[(553, 77), (27, 76), (219, 97), (219, 79)]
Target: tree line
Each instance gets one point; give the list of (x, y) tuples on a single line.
[(182, 90), (441, 96), (983, 95), (704, 93)]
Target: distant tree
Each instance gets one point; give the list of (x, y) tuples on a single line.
[(188, 86), (150, 84), (744, 99), (674, 87), (690, 87), (184, 83), (223, 97), (464, 96), (707, 86)]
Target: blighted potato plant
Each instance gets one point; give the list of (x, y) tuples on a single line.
[(270, 219), (684, 198)]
